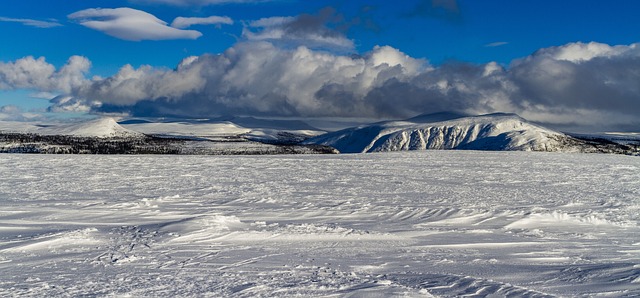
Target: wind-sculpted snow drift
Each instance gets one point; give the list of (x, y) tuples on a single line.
[(475, 224), (496, 132)]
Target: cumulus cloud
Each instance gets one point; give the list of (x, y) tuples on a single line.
[(182, 22), (130, 24), (577, 84), (324, 30), (581, 76), (258, 78), (32, 23), (38, 74)]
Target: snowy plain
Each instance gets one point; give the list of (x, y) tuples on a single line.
[(407, 224)]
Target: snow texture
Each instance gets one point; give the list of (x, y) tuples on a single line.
[(408, 224)]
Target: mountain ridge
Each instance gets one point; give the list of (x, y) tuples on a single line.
[(452, 131), (439, 131)]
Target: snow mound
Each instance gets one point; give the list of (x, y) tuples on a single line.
[(102, 128), (497, 132)]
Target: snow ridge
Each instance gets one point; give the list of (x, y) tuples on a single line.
[(487, 132)]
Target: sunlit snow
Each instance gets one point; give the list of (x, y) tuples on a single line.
[(442, 223)]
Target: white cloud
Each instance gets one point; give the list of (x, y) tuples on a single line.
[(38, 74), (182, 22), (32, 23), (582, 52), (130, 24), (26, 73), (43, 95)]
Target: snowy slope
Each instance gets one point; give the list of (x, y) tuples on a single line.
[(101, 127), (19, 127), (186, 129), (448, 131)]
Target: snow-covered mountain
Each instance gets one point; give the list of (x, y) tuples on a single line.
[(449, 131), (101, 128), (105, 127), (185, 129)]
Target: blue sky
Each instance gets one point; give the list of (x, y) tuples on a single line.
[(525, 26), (445, 38)]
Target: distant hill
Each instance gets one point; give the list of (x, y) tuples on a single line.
[(106, 136), (447, 131), (100, 128)]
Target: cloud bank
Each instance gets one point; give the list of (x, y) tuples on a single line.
[(130, 24), (574, 84)]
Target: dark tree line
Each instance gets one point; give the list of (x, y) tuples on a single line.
[(60, 144), (34, 143)]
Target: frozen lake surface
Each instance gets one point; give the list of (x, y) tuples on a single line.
[(412, 224)]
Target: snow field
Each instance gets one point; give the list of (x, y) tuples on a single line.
[(409, 224)]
